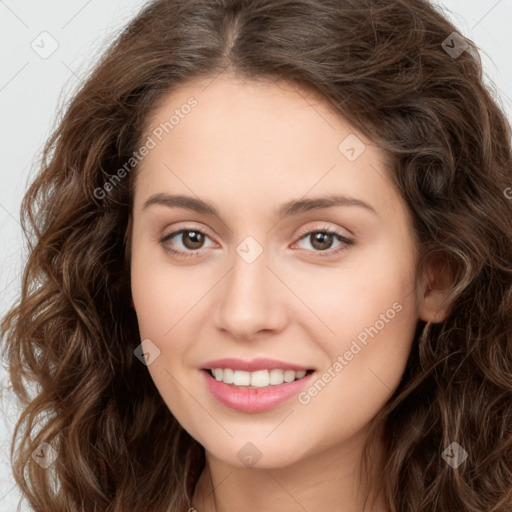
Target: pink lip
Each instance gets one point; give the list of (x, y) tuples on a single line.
[(253, 400), (253, 365)]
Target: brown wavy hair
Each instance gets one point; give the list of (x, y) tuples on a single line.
[(72, 332)]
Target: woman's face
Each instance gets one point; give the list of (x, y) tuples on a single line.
[(257, 274)]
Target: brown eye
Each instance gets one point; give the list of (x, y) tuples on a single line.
[(192, 239), (321, 240), (185, 242)]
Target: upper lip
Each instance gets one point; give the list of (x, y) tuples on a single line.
[(253, 365)]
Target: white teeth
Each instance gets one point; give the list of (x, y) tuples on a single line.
[(257, 379), (276, 377), (260, 379), (289, 376), (228, 375), (242, 378)]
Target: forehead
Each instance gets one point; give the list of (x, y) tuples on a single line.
[(246, 115), (257, 137)]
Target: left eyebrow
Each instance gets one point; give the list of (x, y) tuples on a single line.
[(304, 205)]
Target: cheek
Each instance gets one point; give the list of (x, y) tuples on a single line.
[(347, 299), (164, 299), (383, 301), (369, 311), (367, 356), (163, 294)]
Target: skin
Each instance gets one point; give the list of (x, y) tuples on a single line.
[(246, 148)]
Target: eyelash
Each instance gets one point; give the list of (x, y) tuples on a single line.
[(326, 230)]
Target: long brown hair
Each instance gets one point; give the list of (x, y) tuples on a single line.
[(386, 67)]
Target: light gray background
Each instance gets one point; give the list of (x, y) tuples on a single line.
[(32, 88)]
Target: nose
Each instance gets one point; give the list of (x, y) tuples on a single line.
[(251, 300)]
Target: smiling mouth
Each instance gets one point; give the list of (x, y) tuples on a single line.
[(258, 379)]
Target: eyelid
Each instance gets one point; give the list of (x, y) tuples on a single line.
[(189, 227), (323, 227), (183, 229), (346, 242)]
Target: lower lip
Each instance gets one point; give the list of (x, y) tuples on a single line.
[(254, 400)]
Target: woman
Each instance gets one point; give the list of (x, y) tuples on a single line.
[(271, 269)]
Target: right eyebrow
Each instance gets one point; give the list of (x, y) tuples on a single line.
[(181, 201)]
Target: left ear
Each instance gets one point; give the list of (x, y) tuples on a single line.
[(434, 287)]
